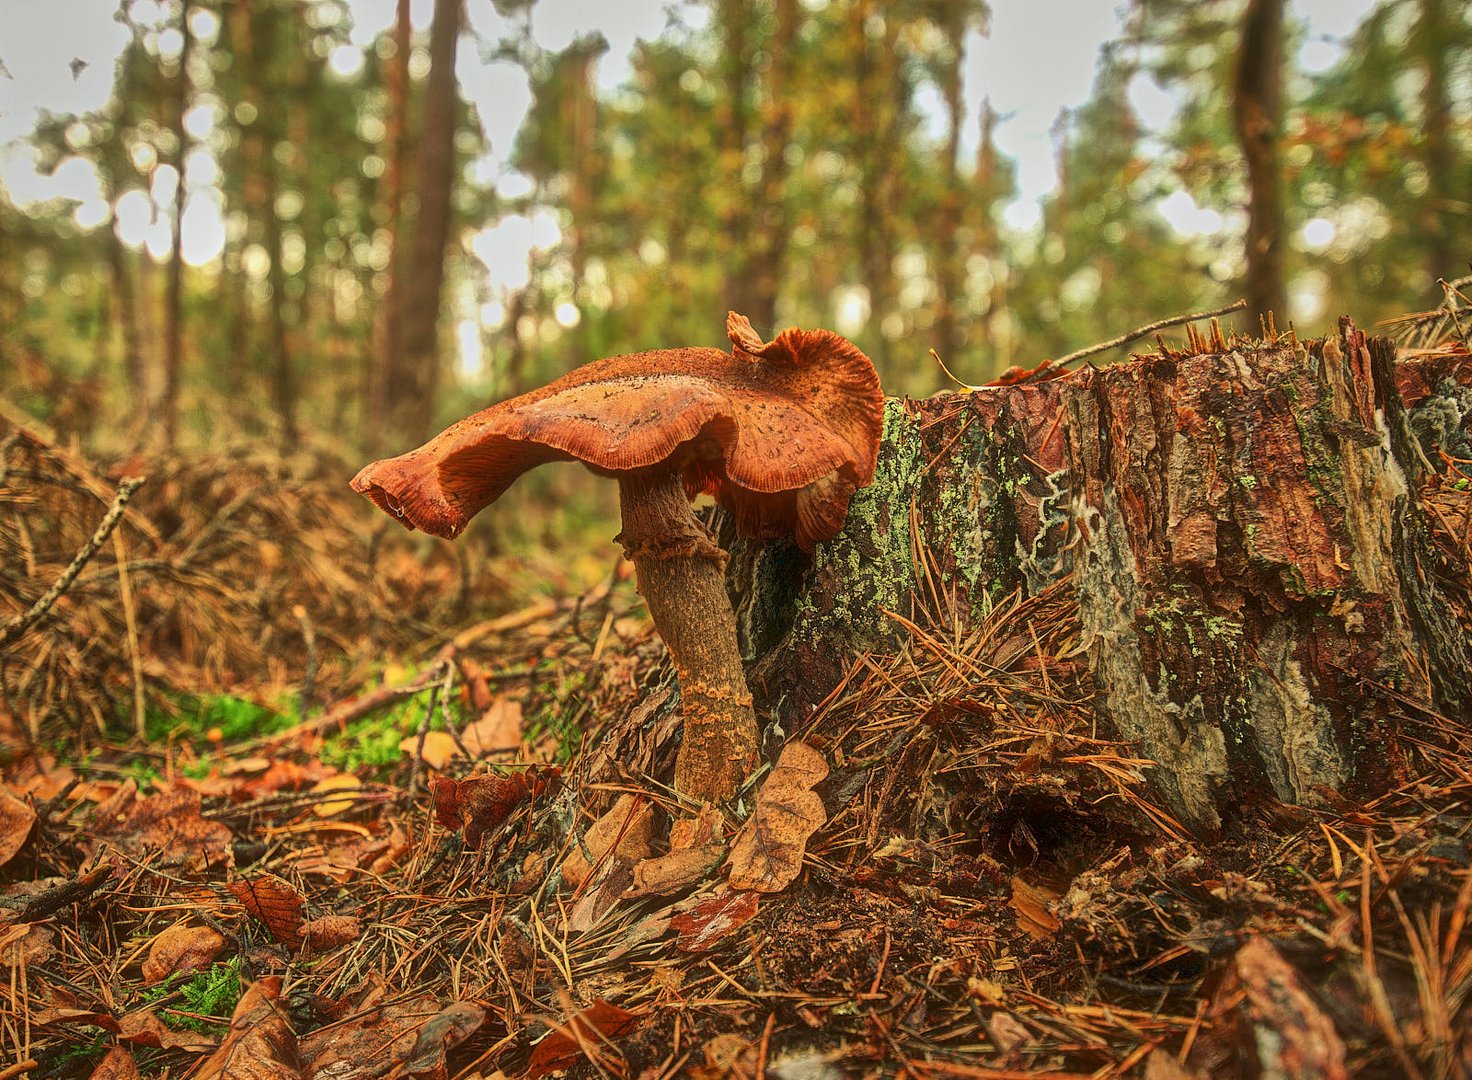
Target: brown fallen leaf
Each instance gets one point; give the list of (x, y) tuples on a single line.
[(705, 827), (24, 943), (16, 820), (379, 1031), (444, 1031), (143, 1028), (593, 1027), (1030, 903), (117, 1064), (260, 1044), (273, 903), (330, 931), (768, 852), (478, 804), (627, 829), (167, 826), (181, 948), (676, 871), (703, 925), (499, 728)]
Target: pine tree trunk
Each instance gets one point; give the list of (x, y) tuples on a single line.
[(1259, 582), (1257, 108), (174, 312), (384, 374), (412, 402)]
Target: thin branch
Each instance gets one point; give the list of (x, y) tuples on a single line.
[(21, 623), (1125, 339)]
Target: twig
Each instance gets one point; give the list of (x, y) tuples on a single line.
[(130, 620), (309, 639), (1125, 339), (21, 623)]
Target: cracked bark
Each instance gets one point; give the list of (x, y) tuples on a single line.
[(1262, 557)]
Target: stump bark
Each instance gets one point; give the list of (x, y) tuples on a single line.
[(1265, 541)]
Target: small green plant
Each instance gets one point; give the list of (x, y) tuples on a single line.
[(209, 993), (72, 1057)]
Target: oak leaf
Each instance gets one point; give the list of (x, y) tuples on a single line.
[(768, 852)]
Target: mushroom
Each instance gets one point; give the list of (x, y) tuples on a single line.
[(780, 433)]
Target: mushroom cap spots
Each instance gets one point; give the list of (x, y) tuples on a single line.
[(780, 433)]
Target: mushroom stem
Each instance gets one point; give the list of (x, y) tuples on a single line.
[(681, 572)]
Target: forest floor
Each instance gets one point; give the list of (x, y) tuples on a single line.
[(221, 801)]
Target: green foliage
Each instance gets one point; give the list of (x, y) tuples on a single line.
[(747, 162), (212, 993)]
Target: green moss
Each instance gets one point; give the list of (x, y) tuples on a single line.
[(870, 557), (210, 993)]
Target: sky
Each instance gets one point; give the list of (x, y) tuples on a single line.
[(42, 39)]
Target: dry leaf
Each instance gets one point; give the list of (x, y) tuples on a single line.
[(498, 729), (675, 871), (627, 828), (260, 1044), (440, 1034), (768, 852), (180, 949), (598, 1023), (146, 1029), (704, 924), (705, 827), (1030, 902), (274, 903), (118, 1064), (438, 751), (478, 804), (16, 820), (344, 782), (24, 943), (375, 1039), (330, 931)]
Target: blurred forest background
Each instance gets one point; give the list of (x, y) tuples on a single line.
[(333, 266)]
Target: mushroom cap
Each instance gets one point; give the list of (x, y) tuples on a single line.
[(780, 433)]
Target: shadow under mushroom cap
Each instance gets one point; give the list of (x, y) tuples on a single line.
[(781, 434)]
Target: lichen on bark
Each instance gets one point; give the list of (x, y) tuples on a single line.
[(1244, 538)]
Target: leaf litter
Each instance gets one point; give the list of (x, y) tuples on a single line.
[(963, 878)]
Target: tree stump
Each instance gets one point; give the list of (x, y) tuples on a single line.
[(1264, 541)]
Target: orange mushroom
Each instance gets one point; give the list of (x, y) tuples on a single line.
[(780, 433)]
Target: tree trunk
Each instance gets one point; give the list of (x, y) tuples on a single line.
[(882, 98), (767, 247), (384, 373), (174, 313), (1438, 154), (1257, 109), (1258, 583), (735, 18), (412, 401), (950, 258)]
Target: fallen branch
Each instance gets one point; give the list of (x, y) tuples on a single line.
[(1052, 369), (1133, 335), (21, 623)]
